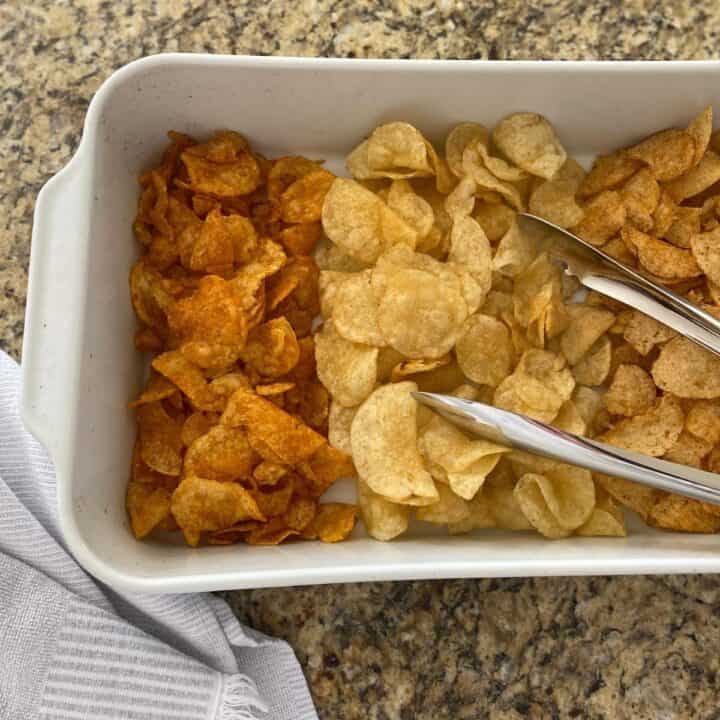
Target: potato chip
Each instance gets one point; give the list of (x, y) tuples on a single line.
[(332, 523), (587, 324), (653, 432), (384, 520), (293, 278), (274, 388), (159, 439), (333, 258), (603, 216), (413, 367), (538, 387), (272, 348), (605, 520), (495, 219), (269, 473), (643, 332), (640, 195), (362, 224), (449, 508), (461, 201), (631, 392), (471, 258), (148, 507), (703, 421), (412, 208), (504, 507), (593, 368), (639, 498), (347, 369), (700, 130), (383, 437), (687, 370), (196, 425), (607, 172), (284, 172), (300, 239), (273, 500), (684, 227), (239, 176), (157, 388), (354, 310), (668, 153), (697, 179), (514, 253), (475, 169), (706, 251), (303, 201), (199, 505), (529, 141), (570, 419), (484, 351), (420, 313), (660, 258), (287, 437), (674, 512), (458, 139), (558, 503), (339, 423), (587, 402), (688, 450), (223, 453), (480, 516), (554, 200), (188, 378), (271, 533)]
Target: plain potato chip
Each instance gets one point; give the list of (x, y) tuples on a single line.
[(643, 332), (594, 367), (688, 450), (570, 419), (290, 440), (495, 219), (607, 172), (333, 258), (631, 392), (471, 258), (514, 253), (588, 402), (414, 367), (484, 351), (480, 517), (504, 507), (395, 150), (461, 201), (475, 169), (448, 508), (603, 216), (360, 223), (529, 141), (668, 153), (339, 423), (412, 208), (384, 520), (354, 310), (383, 436), (662, 259), (706, 251), (348, 370), (653, 432), (587, 325), (554, 200), (606, 518), (458, 139), (687, 370)]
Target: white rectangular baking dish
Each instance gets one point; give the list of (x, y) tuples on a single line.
[(79, 365)]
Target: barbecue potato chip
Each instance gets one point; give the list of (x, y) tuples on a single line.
[(685, 225), (687, 370), (603, 216), (674, 512), (188, 378), (272, 348), (347, 369), (688, 450), (606, 518), (587, 324), (699, 178), (458, 139), (631, 392), (529, 141), (223, 453), (663, 260), (653, 432), (538, 387), (383, 437), (706, 251), (639, 498), (484, 351), (196, 425), (240, 176), (643, 332), (557, 503), (703, 421), (448, 508), (668, 153), (157, 388), (290, 440), (384, 520), (159, 439), (361, 223), (700, 130), (199, 505), (594, 367), (607, 172), (640, 195), (555, 201), (302, 202), (354, 310), (332, 523)]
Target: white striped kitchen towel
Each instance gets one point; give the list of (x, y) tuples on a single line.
[(71, 647)]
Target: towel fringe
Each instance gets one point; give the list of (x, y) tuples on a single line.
[(240, 699)]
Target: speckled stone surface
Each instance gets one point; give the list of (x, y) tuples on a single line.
[(552, 648)]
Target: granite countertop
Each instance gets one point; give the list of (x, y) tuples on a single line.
[(617, 648)]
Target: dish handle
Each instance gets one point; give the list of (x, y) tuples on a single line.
[(56, 285)]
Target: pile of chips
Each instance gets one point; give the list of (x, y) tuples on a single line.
[(232, 422), (428, 283)]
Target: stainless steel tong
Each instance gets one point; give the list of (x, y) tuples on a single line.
[(598, 271)]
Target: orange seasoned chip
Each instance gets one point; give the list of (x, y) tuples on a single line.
[(284, 172), (196, 425), (274, 500), (333, 522), (271, 533), (668, 153), (156, 388), (223, 453), (302, 202), (607, 172), (289, 439), (160, 443), (301, 239), (148, 507), (272, 348), (237, 176)]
